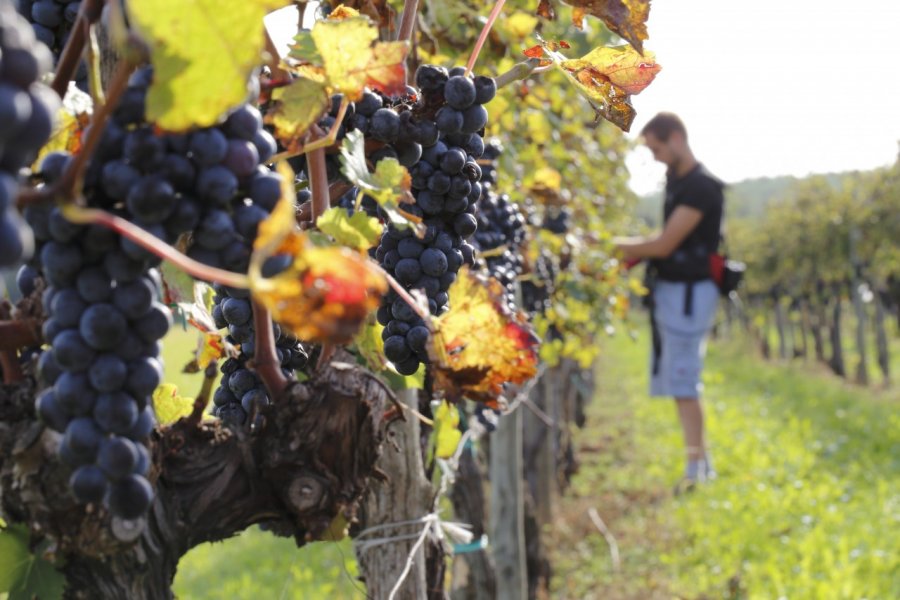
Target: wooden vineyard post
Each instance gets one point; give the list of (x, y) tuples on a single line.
[(473, 572), (539, 444), (837, 347), (405, 496), (780, 327), (883, 350), (507, 522), (862, 367)]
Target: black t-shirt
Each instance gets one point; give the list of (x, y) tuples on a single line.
[(701, 190)]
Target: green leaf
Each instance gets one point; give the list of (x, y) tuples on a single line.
[(203, 53), (297, 106), (388, 185), (14, 556), (304, 49), (42, 581), (359, 231), (24, 575)]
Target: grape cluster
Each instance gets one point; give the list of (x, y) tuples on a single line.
[(104, 319), (27, 109), (52, 22), (241, 389), (104, 323), (539, 287), (556, 220), (389, 125), (501, 225), (213, 183), (445, 182), (492, 152)]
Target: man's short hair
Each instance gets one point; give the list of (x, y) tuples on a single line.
[(663, 125)]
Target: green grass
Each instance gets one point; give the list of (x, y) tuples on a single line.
[(255, 565), (848, 336), (807, 504)]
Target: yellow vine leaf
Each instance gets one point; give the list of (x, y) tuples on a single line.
[(353, 58), (479, 344), (203, 53), (593, 77), (72, 119), (295, 108), (446, 430), (212, 347), (327, 292), (168, 405)]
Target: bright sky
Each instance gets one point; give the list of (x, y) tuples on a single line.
[(774, 87)]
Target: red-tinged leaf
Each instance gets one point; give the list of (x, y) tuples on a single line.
[(535, 51), (341, 12), (479, 345), (622, 66), (589, 74), (380, 11), (545, 9), (353, 58), (326, 293), (626, 18), (564, 44)]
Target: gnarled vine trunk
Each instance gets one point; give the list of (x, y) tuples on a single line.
[(309, 462)]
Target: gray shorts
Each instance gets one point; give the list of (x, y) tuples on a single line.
[(683, 338)]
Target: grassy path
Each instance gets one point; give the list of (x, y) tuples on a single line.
[(807, 504)]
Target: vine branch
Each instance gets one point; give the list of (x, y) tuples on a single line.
[(202, 399), (151, 243), (318, 180), (408, 20), (482, 37), (266, 359), (71, 53), (518, 72), (323, 142)]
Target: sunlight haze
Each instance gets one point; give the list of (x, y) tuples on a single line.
[(774, 88)]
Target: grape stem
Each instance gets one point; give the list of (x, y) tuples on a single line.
[(92, 58), (403, 293), (71, 53), (151, 243), (70, 180), (408, 20), (265, 360), (318, 183), (518, 72), (74, 172), (482, 37), (202, 399), (323, 142), (325, 356)]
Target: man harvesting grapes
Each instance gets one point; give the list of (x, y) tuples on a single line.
[(683, 296)]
